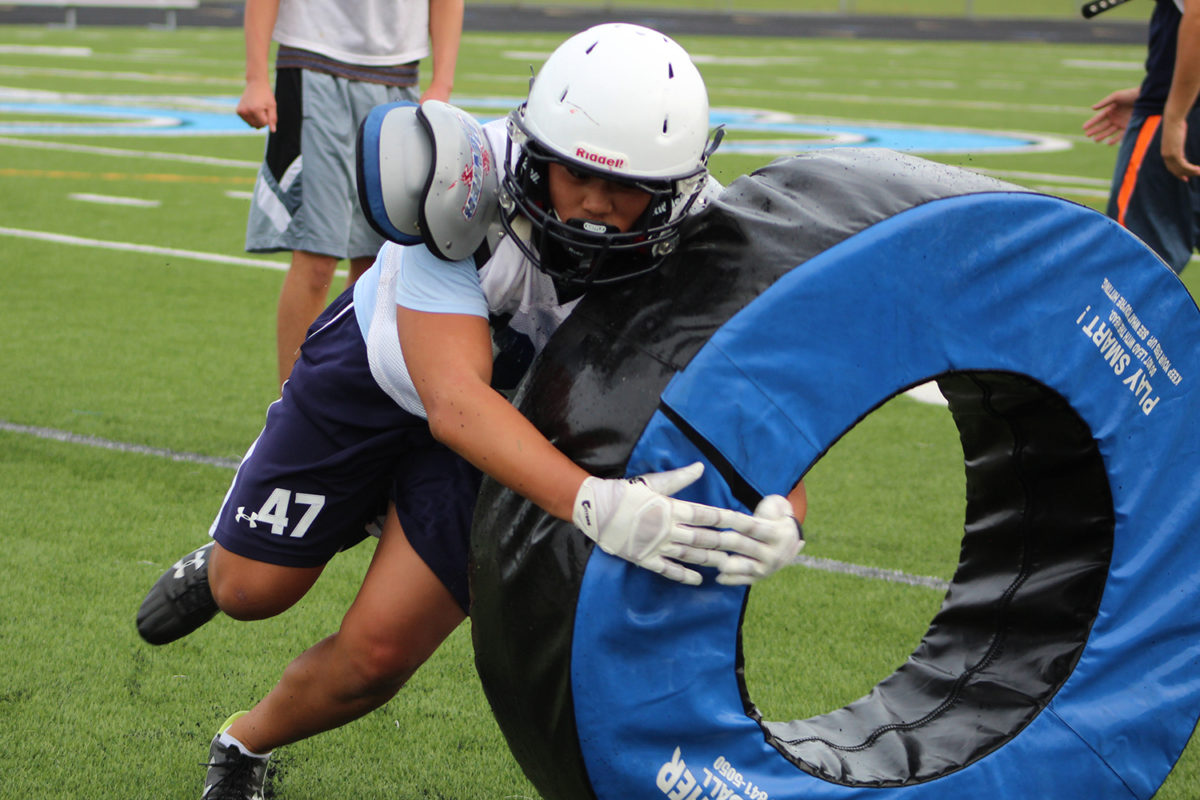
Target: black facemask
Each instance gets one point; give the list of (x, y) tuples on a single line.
[(580, 253)]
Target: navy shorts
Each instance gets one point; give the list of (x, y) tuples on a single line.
[(334, 449), (1163, 211)]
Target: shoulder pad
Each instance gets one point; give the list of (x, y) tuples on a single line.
[(392, 161), (426, 173), (461, 199)]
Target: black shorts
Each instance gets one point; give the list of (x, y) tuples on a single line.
[(334, 449)]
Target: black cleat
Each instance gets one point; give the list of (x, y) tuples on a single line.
[(180, 601), (233, 775)]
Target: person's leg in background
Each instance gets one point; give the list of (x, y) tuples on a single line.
[(329, 224)]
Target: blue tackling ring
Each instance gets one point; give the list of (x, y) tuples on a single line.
[(1064, 660)]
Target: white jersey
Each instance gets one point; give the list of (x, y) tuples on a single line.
[(375, 33), (412, 277)]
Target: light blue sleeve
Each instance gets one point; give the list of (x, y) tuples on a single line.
[(424, 282)]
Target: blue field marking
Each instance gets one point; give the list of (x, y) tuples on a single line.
[(766, 133), (80, 119)]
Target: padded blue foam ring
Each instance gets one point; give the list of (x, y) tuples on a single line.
[(1063, 661)]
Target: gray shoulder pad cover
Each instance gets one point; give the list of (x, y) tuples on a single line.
[(459, 202), (393, 162)]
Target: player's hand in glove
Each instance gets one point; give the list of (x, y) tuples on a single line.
[(770, 543), (636, 519)]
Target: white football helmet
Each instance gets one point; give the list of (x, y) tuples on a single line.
[(625, 103)]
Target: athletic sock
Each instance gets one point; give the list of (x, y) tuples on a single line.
[(225, 740)]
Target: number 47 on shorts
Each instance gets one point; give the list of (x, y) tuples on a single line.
[(275, 512)]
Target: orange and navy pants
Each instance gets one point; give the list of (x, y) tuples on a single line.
[(1146, 198)]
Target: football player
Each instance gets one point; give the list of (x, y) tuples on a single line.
[(392, 398)]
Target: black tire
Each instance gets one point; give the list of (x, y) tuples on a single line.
[(1061, 661)]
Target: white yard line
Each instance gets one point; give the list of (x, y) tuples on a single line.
[(875, 573), (110, 200), (195, 255), (1072, 191), (139, 154), (93, 74), (124, 447), (1045, 176), (44, 50), (895, 100), (225, 162), (823, 564)]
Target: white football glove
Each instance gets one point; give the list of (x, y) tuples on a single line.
[(770, 543), (637, 520)]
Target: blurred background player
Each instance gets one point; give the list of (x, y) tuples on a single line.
[(337, 60), (1154, 192), (392, 395)]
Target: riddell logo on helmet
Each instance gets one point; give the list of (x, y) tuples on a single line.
[(596, 158)]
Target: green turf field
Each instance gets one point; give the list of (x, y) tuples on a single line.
[(133, 317), (1030, 9)]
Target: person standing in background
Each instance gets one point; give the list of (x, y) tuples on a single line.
[(337, 60), (1154, 192)]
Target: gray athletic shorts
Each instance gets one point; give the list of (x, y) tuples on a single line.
[(305, 197)]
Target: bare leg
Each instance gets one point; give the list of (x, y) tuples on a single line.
[(798, 497), (400, 616), (357, 267), (246, 589), (303, 297)]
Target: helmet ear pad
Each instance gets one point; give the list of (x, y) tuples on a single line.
[(533, 176)]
